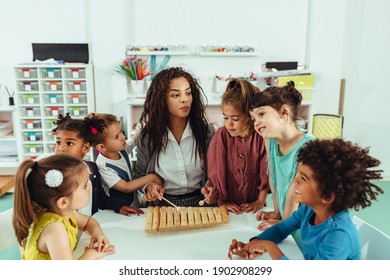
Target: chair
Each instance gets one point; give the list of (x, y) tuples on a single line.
[(7, 234), (326, 126), (374, 244)]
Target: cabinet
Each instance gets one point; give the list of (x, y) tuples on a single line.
[(9, 148), (43, 92)]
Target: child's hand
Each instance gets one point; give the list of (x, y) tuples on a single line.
[(102, 241), (264, 216), (155, 178), (230, 206), (153, 192), (238, 248), (266, 224), (256, 248), (252, 207), (94, 254), (127, 210)]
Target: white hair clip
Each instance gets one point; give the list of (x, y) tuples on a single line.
[(54, 178)]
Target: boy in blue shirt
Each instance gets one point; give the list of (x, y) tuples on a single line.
[(333, 176)]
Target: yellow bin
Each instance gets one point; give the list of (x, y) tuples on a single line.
[(327, 126)]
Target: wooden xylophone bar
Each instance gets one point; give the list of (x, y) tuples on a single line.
[(167, 218)]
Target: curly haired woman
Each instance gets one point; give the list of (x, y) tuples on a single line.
[(174, 139)]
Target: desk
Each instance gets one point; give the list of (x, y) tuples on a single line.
[(6, 183), (132, 242)]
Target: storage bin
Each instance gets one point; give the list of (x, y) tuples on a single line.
[(52, 86), (51, 73), (50, 124), (78, 111), (28, 86), (30, 111), (51, 136), (29, 99), (77, 86), (75, 73), (50, 148), (30, 157), (27, 73), (31, 124), (76, 98), (33, 148), (53, 99), (54, 111), (303, 83), (32, 136)]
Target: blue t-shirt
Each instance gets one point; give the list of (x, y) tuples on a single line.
[(334, 239)]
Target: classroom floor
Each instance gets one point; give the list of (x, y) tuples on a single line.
[(376, 215)]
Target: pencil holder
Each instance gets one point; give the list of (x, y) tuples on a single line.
[(137, 86), (220, 86)]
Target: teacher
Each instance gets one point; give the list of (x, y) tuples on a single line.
[(174, 139)]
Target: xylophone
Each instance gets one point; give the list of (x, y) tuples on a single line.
[(167, 218)]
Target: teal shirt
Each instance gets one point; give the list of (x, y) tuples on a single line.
[(284, 168)]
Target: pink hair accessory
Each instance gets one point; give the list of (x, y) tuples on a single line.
[(94, 130)]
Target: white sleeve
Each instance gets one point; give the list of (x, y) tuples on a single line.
[(109, 177)]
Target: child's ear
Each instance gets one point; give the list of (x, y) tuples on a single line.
[(100, 147), (86, 148), (62, 202), (330, 199), (285, 111)]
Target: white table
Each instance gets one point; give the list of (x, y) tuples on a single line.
[(132, 242)]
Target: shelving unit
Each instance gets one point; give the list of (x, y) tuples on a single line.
[(213, 111), (9, 148), (43, 92)]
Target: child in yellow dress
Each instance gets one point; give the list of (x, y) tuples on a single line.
[(46, 221)]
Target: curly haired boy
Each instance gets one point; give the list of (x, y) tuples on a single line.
[(333, 176)]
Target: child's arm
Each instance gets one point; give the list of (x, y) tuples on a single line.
[(257, 247), (54, 240), (290, 205), (91, 226), (269, 218), (136, 184)]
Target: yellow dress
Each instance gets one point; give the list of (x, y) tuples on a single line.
[(31, 251)]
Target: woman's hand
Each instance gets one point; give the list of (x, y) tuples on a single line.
[(153, 192), (210, 193)]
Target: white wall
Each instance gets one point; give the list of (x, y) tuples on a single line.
[(366, 62), (336, 38), (23, 22), (277, 34)]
